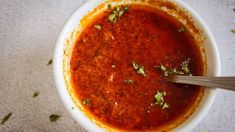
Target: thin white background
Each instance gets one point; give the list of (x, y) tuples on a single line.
[(28, 33)]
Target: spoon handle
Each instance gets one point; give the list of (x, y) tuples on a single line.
[(220, 82)]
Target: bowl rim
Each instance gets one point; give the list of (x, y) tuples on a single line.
[(80, 117)]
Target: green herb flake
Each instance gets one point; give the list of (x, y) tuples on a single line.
[(125, 8), (165, 106), (233, 30), (98, 26), (175, 72), (182, 29), (36, 93), (54, 117), (86, 102), (109, 6), (6, 118), (185, 66), (185, 69), (112, 17), (159, 100), (117, 9), (117, 13), (135, 65), (120, 13), (159, 97), (166, 71), (162, 67), (128, 81), (50, 62), (140, 69)]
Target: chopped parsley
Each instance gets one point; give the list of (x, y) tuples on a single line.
[(159, 99), (159, 96), (6, 118), (112, 17), (185, 69), (117, 13), (50, 62), (98, 26), (36, 93), (185, 66), (168, 71), (182, 29), (54, 117), (109, 6), (233, 30), (116, 9), (128, 81), (139, 69), (86, 101), (165, 106)]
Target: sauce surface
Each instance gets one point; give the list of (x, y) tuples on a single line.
[(102, 61)]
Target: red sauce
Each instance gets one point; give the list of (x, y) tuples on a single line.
[(148, 37)]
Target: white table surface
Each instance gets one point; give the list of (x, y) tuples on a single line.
[(28, 34)]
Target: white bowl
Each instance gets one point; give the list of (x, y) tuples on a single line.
[(62, 79)]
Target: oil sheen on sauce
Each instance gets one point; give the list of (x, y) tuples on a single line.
[(102, 60)]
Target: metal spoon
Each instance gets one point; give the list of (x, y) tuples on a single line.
[(220, 82)]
